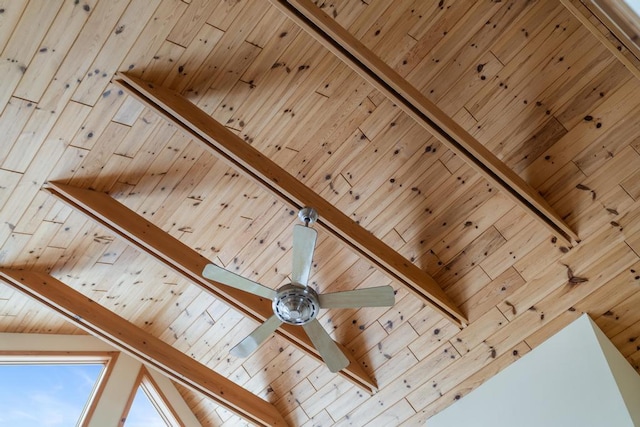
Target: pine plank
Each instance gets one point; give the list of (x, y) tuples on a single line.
[(428, 342), (97, 159), (395, 389), (514, 249), (552, 37), (183, 69), (543, 138), (395, 415), (263, 32), (29, 141), (146, 347), (226, 13), (476, 223), (474, 79), (190, 22), (598, 215), (162, 62), (472, 18), (13, 119), (593, 95), (81, 55), (551, 328), (593, 158), (40, 166), (139, 132), (371, 212), (614, 46), (555, 302), (51, 52), (445, 127), (498, 290), (603, 181), (619, 317), (126, 32), (9, 181), (555, 275), (518, 36), (219, 64), (14, 244), (143, 53), (24, 42), (625, 341), (520, 99), (484, 246), (10, 18), (582, 135), (468, 55), (129, 112), (631, 186)]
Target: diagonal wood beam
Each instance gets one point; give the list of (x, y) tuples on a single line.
[(188, 263), (395, 87), (606, 14), (253, 164), (125, 336)]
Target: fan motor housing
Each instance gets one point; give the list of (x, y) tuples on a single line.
[(295, 304)]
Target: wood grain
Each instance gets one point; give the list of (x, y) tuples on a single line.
[(148, 349), (546, 92)]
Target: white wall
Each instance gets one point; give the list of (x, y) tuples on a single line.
[(564, 382), (625, 376)]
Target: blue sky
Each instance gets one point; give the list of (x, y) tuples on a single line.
[(45, 395), (143, 413)]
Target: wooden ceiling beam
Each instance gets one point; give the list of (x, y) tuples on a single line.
[(609, 17), (127, 337), (250, 162), (395, 87), (188, 263)]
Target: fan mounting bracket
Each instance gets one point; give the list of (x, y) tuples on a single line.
[(308, 215)]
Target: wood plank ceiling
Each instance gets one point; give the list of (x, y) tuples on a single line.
[(553, 98)]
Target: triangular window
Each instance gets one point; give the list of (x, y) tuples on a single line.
[(149, 408), (143, 412)]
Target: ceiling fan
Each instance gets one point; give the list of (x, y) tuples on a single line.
[(298, 304)]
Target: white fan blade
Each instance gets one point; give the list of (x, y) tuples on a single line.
[(382, 296), (304, 243), (252, 341), (328, 349), (219, 274)]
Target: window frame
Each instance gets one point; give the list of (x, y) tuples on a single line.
[(153, 391), (108, 359), (108, 404)]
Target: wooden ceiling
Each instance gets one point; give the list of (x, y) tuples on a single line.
[(541, 84)]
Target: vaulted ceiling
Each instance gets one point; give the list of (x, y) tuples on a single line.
[(105, 197)]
